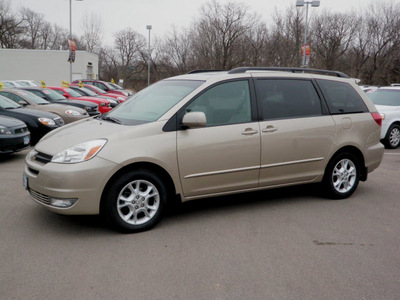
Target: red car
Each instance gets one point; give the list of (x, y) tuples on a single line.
[(120, 98), (104, 105), (106, 87)]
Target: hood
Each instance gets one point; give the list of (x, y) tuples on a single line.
[(82, 102), (34, 113), (92, 129), (10, 122)]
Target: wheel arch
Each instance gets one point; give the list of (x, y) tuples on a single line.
[(159, 171), (358, 154)]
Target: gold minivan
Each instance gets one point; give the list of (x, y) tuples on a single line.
[(206, 134)]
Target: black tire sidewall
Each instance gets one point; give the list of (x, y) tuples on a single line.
[(328, 182), (387, 141), (109, 202)]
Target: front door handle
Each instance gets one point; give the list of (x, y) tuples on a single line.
[(270, 128), (249, 131)]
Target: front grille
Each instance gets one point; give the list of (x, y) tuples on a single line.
[(43, 158), (39, 197), (59, 121), (21, 130)]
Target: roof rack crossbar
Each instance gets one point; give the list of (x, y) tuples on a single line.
[(286, 69), (204, 71)]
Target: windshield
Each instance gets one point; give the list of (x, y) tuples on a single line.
[(385, 97), (7, 103), (31, 97), (53, 95), (151, 103), (99, 90), (73, 93), (88, 92)]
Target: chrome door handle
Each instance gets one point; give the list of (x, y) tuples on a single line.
[(270, 128), (249, 131)]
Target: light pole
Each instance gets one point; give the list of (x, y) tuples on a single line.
[(148, 59), (300, 3), (70, 36)]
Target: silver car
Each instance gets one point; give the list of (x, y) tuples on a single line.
[(207, 134)]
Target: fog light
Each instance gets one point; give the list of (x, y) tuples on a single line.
[(63, 203)]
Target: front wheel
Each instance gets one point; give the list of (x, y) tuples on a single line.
[(342, 176), (392, 139), (134, 202)]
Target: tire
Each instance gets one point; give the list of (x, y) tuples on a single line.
[(342, 176), (392, 139), (134, 202)]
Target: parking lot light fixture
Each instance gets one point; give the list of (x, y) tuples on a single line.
[(301, 3)]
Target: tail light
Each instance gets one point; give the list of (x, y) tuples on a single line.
[(377, 117)]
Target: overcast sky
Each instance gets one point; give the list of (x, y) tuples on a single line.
[(161, 14)]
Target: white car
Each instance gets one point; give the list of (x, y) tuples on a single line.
[(387, 101)]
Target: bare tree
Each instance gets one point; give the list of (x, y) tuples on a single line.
[(219, 33), (32, 22), (92, 27), (10, 26)]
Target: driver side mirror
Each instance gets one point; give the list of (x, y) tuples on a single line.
[(22, 102), (195, 119)]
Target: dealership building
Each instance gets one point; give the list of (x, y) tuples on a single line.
[(52, 66)]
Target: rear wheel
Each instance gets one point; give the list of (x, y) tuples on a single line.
[(342, 176), (392, 139), (135, 201)]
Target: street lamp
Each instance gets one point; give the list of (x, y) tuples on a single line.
[(148, 59), (70, 36), (300, 3)]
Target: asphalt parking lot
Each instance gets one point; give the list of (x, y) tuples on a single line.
[(278, 244)]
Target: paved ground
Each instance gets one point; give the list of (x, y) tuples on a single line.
[(281, 244)]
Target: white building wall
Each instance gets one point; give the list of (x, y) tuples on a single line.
[(52, 66)]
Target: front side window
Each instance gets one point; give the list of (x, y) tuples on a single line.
[(226, 103), (287, 98), (341, 97), (151, 103)]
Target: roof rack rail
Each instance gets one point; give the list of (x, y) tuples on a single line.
[(204, 71), (287, 69)]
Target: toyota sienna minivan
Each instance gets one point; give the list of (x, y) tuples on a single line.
[(207, 134)]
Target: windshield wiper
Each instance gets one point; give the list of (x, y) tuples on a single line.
[(114, 120)]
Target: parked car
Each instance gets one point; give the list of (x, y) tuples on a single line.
[(39, 122), (53, 97), (120, 98), (104, 105), (86, 92), (105, 86), (27, 82), (14, 135), (387, 101), (10, 83), (25, 98), (209, 134)]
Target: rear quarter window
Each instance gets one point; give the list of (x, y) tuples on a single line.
[(341, 97)]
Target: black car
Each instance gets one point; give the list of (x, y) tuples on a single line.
[(54, 97), (39, 122), (14, 135)]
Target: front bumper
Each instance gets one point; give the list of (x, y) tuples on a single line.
[(84, 182), (14, 143)]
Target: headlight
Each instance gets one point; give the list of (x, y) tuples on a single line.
[(125, 93), (113, 102), (71, 112), (383, 116), (120, 98), (4, 130), (80, 152), (47, 121), (103, 104)]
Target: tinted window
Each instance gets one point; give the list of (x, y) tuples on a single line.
[(341, 97), (227, 103), (287, 98)]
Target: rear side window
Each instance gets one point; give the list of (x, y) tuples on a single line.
[(287, 98), (341, 97)]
